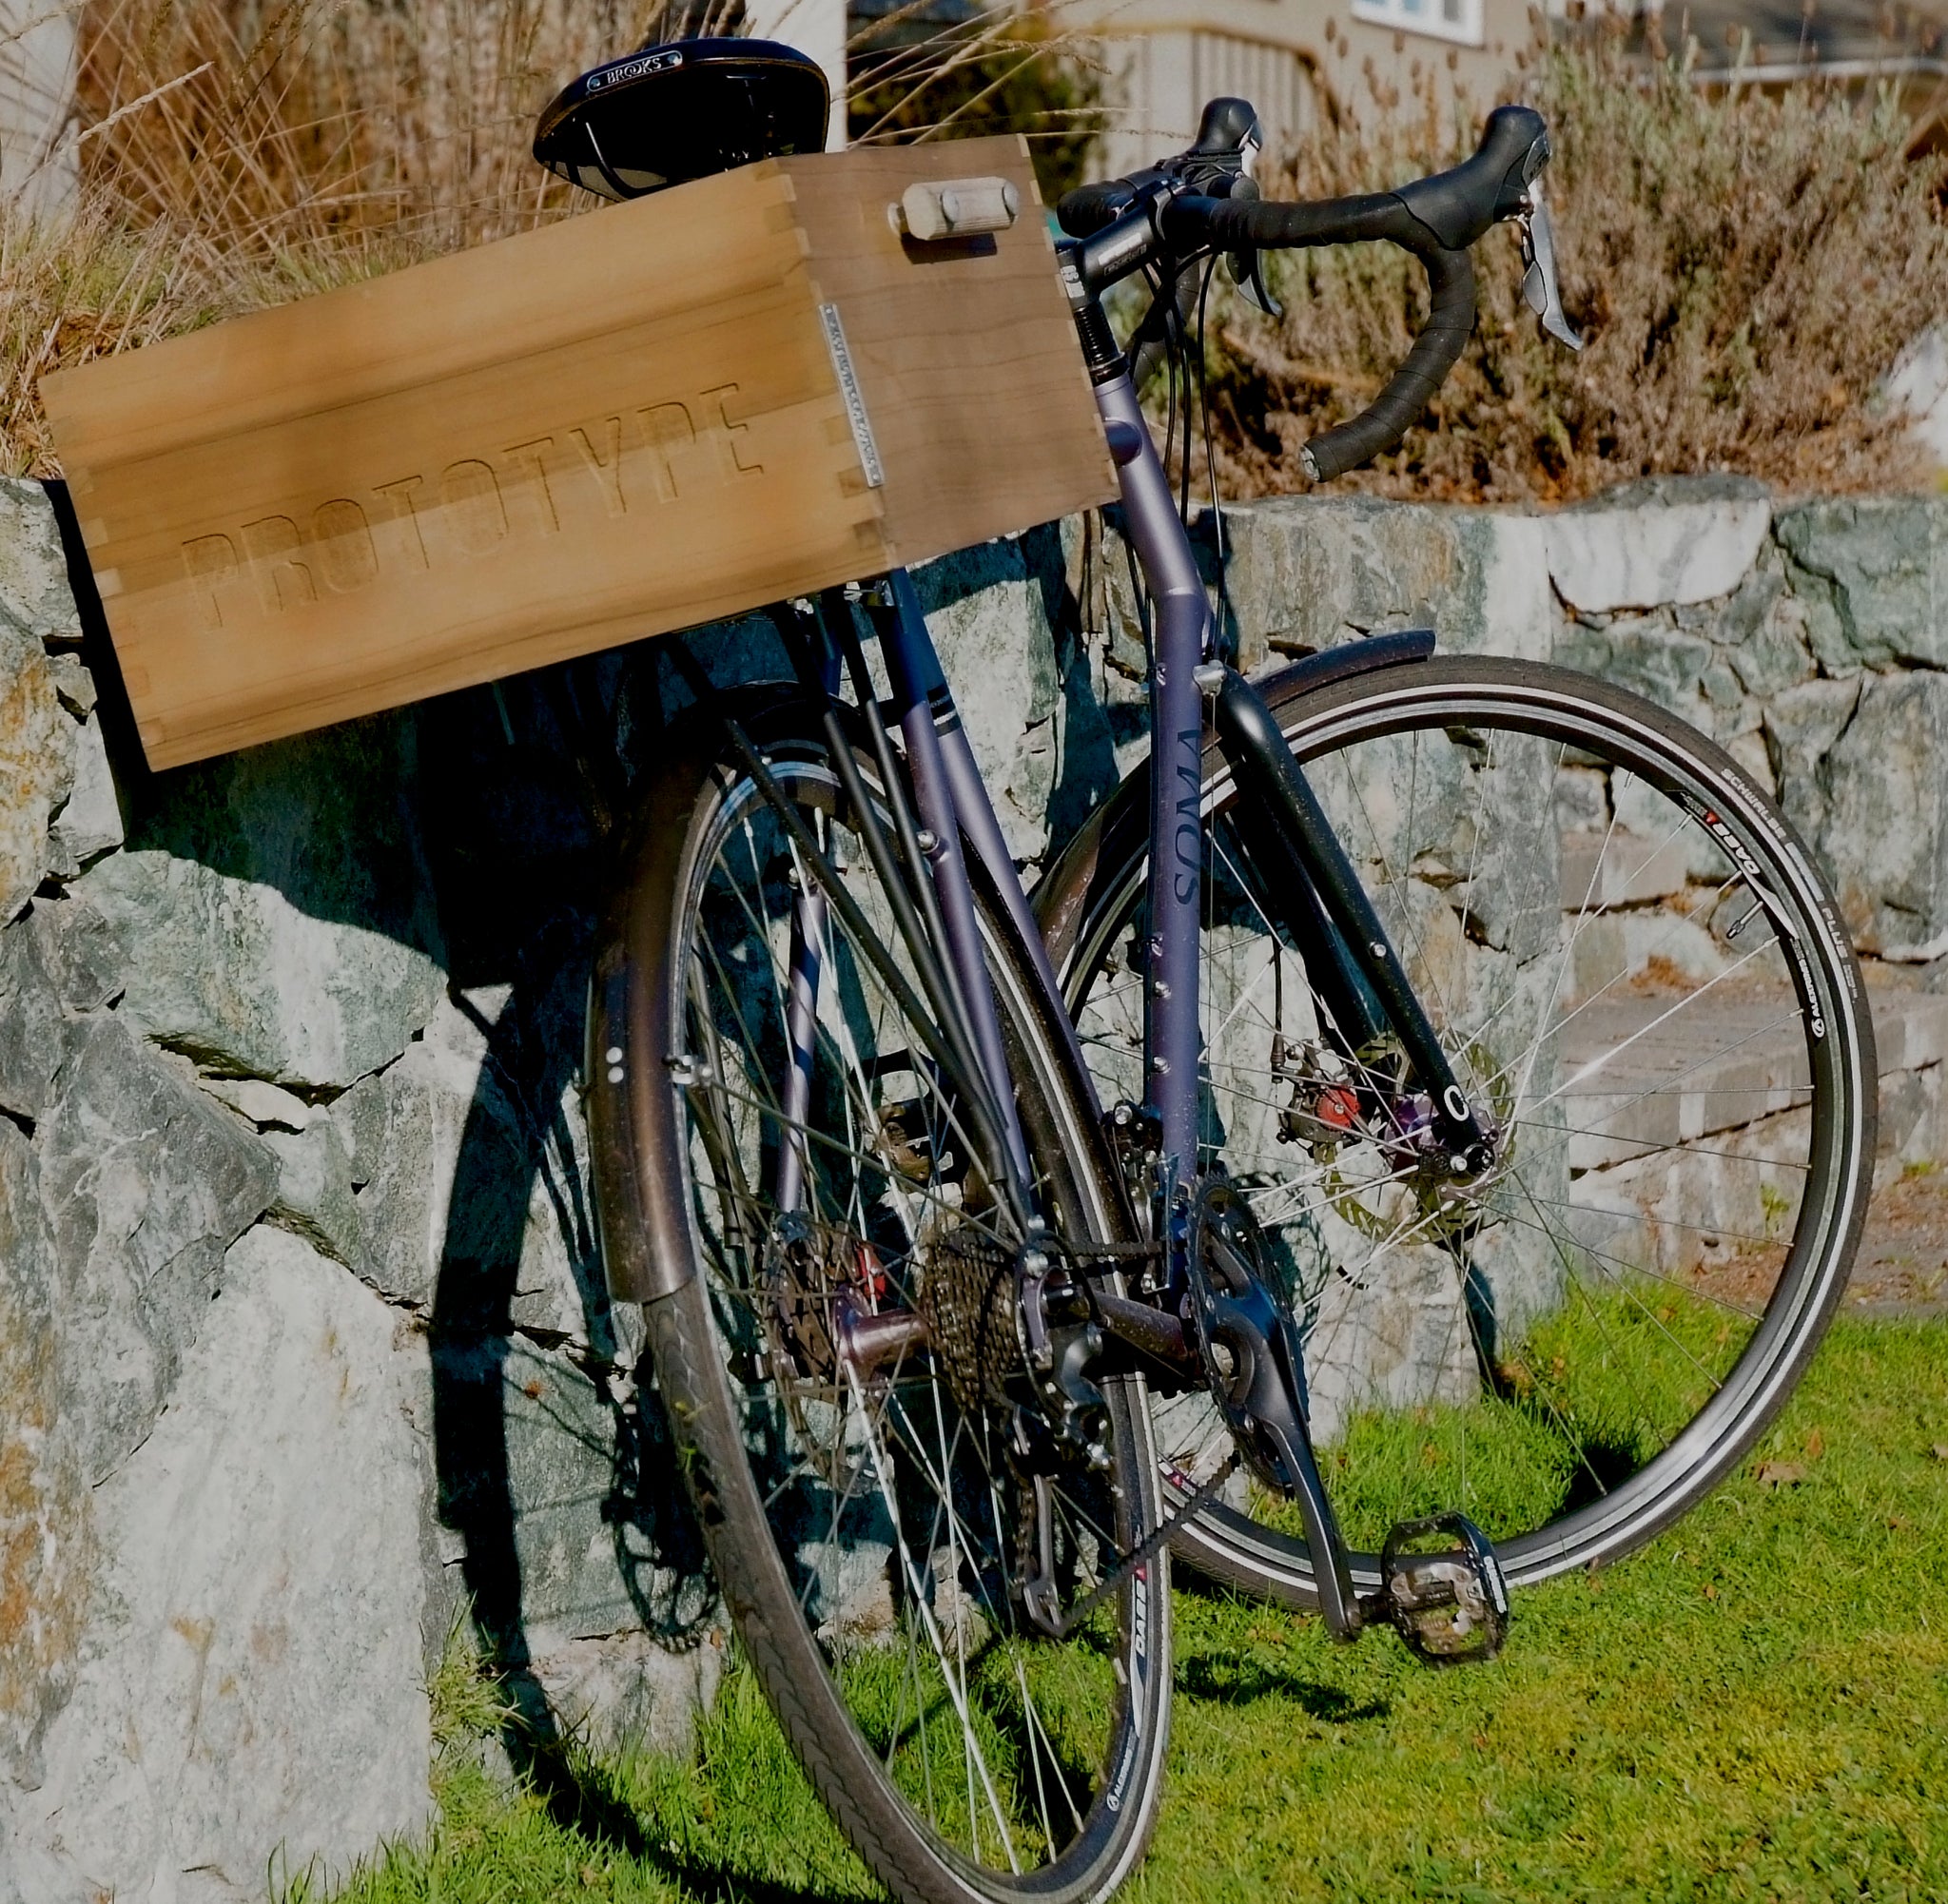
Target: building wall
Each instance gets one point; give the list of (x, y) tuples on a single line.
[(1294, 60)]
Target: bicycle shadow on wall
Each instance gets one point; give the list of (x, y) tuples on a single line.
[(530, 1425), (499, 812), (523, 800), (461, 829)]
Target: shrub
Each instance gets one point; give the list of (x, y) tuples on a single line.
[(1747, 267)]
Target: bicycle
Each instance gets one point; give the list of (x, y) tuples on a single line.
[(1489, 1125)]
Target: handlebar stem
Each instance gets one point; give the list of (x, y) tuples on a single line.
[(1122, 247)]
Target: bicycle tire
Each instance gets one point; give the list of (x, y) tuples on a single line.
[(730, 1422), (1612, 742)]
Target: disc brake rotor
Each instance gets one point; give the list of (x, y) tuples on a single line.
[(804, 1266), (1407, 1189)]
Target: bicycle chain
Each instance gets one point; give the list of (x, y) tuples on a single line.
[(1145, 1549)]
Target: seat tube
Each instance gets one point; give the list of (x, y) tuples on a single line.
[(1182, 639)]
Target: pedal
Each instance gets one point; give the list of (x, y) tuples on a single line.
[(1448, 1604)]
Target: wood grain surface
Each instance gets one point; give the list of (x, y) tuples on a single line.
[(965, 350), (619, 425)]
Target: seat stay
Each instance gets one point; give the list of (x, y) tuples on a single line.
[(920, 704)]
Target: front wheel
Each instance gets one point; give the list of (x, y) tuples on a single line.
[(833, 1328), (1641, 982)]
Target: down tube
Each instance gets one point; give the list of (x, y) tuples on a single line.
[(1181, 635)]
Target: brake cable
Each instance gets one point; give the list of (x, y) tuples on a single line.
[(1227, 621)]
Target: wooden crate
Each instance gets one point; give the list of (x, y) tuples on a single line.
[(625, 423)]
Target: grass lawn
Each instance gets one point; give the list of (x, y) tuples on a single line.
[(1755, 1706)]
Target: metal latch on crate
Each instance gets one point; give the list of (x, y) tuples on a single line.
[(934, 209)]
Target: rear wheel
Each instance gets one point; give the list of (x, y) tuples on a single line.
[(1639, 978), (845, 1376)]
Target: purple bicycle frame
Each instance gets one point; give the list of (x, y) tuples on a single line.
[(954, 806)]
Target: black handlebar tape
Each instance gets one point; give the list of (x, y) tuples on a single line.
[(1238, 225), (1394, 411), (1233, 223)]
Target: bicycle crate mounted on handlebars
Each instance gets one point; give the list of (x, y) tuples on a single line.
[(789, 369)]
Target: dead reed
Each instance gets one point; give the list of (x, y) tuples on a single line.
[(239, 153)]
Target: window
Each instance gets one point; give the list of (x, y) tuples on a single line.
[(1444, 19)]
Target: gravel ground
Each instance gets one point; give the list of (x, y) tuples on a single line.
[(1902, 1267)]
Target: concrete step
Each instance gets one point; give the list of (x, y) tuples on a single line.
[(1660, 1070)]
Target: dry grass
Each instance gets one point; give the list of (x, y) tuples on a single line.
[(1746, 268), (239, 153), (1003, 71)]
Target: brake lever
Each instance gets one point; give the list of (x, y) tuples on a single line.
[(1248, 274), (1247, 268), (1540, 290)]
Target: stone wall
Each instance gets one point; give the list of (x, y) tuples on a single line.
[(302, 1339), (1811, 640)]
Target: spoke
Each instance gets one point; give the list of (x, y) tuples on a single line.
[(1654, 1146), (957, 1691), (1407, 927), (1677, 1283), (1604, 991), (1621, 1284), (1559, 1141), (1655, 1221), (931, 1199), (1556, 1242)]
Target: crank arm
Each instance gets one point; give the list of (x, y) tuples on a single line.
[(1263, 1407), (1340, 1605), (1254, 1372)]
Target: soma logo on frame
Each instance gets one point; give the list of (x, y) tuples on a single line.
[(630, 463)]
